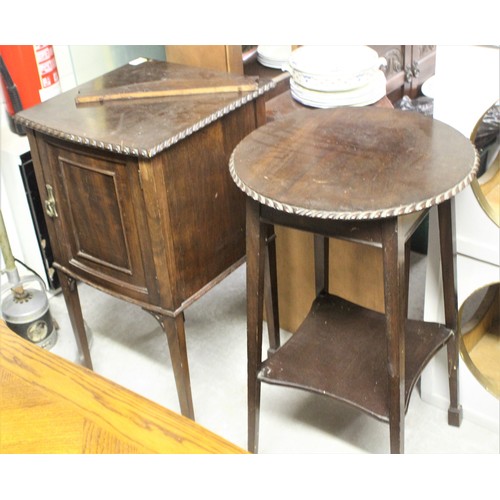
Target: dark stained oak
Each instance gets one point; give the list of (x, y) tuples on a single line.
[(324, 345), (356, 163), (136, 127), (368, 175), (141, 204)]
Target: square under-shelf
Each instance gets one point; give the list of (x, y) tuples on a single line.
[(340, 350)]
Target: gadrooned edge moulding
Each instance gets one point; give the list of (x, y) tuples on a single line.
[(358, 215), (149, 153)]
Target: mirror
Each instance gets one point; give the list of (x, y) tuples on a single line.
[(479, 329), (486, 138)]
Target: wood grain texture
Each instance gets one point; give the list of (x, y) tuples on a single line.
[(330, 360), (220, 57), (355, 270), (142, 127), (171, 88), (353, 163), (49, 405)]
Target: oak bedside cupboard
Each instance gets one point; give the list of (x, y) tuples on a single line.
[(139, 201)]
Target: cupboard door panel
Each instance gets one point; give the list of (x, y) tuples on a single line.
[(100, 222), (96, 213)]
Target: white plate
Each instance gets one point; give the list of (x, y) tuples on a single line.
[(334, 68), (333, 59), (275, 52), (270, 63), (273, 56), (362, 96)]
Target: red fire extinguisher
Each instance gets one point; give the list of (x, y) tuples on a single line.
[(28, 76)]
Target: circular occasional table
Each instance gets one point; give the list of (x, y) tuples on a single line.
[(369, 175)]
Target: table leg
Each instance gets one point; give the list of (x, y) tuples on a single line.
[(271, 292), (176, 337), (407, 274), (321, 263), (446, 218), (395, 290), (72, 299), (255, 250)]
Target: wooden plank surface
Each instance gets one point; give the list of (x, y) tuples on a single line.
[(49, 405)]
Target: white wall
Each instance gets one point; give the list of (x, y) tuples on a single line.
[(78, 64), (13, 201), (466, 84)]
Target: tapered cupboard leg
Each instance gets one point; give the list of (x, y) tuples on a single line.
[(176, 337), (72, 299)]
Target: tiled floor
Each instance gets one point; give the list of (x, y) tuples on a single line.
[(128, 347)]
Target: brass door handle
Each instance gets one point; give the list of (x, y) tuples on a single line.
[(50, 203)]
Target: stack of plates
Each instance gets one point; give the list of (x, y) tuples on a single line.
[(334, 76), (273, 56)]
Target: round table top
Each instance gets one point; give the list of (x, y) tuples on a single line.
[(353, 163)]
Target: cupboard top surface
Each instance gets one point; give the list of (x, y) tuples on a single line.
[(137, 127)]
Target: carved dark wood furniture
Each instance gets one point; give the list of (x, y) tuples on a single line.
[(408, 67), (368, 175), (139, 200)]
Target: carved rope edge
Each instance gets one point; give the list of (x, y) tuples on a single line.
[(148, 153), (358, 215)]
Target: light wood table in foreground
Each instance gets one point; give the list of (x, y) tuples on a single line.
[(49, 405)]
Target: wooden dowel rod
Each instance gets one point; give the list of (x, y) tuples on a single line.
[(142, 94)]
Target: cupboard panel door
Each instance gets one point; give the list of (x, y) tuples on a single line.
[(97, 202)]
